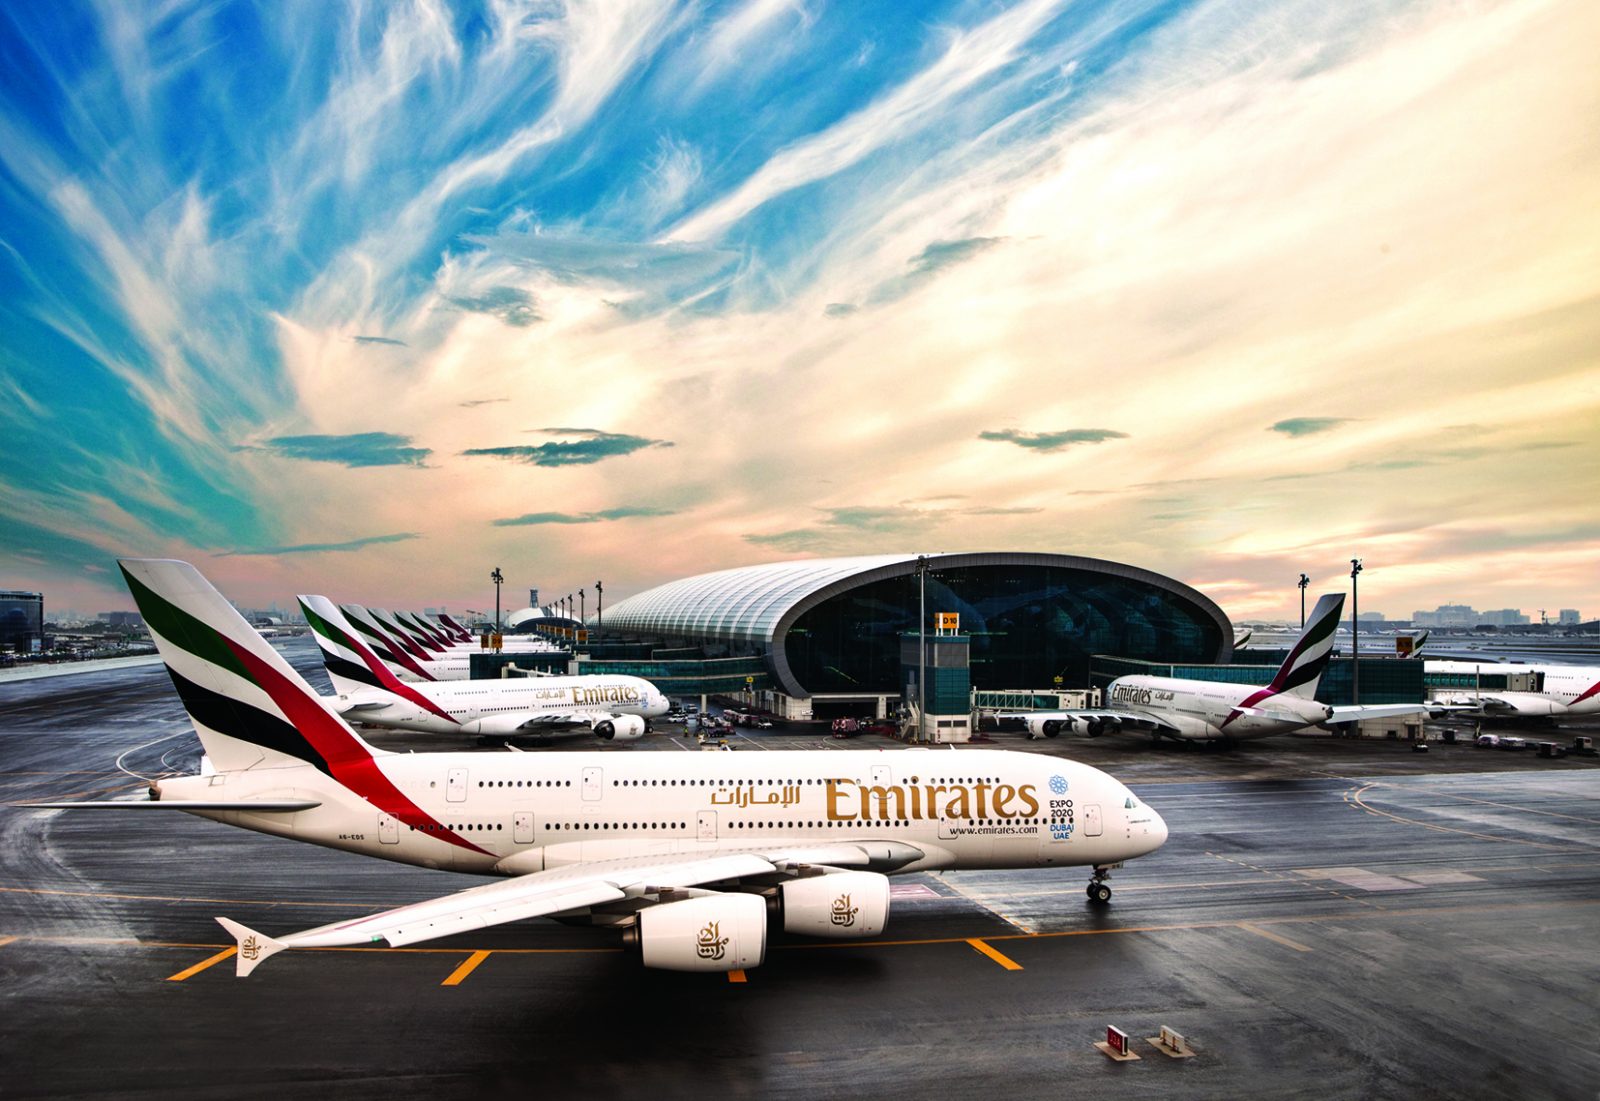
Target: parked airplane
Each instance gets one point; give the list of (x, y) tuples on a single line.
[(610, 707), (629, 842), (423, 645), (1567, 690), (1198, 710)]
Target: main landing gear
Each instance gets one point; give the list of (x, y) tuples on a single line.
[(1099, 890)]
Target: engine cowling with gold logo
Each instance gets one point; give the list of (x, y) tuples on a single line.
[(711, 933), (840, 905), (621, 728)]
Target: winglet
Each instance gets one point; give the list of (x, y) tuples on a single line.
[(254, 947)]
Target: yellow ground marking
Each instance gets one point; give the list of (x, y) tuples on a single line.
[(738, 976), (999, 957), (1270, 935), (468, 966), (6, 940), (1174, 927), (189, 972), (1355, 800)]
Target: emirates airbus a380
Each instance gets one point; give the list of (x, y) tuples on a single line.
[(688, 855), (609, 706)]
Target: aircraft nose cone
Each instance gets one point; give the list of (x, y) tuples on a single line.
[(1158, 830)]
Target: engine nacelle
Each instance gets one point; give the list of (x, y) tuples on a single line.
[(840, 905), (621, 728), (713, 933), (1048, 726)]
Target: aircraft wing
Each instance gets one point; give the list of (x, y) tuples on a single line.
[(1091, 721), (1356, 712), (533, 722), (536, 894)]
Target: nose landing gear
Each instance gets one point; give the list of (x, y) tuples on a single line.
[(1099, 891)]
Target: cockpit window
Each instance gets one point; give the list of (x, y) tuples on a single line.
[(1130, 804)]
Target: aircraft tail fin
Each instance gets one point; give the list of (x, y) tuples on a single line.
[(254, 948), (247, 703), (462, 634), (350, 662), (389, 651), (1302, 669)]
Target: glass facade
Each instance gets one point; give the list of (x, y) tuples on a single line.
[(21, 620), (1027, 625)]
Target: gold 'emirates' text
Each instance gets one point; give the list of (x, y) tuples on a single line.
[(849, 801)]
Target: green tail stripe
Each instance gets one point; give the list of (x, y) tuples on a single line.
[(328, 630), (184, 630)]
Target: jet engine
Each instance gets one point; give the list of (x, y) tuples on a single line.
[(621, 728), (710, 933), (1049, 726), (839, 905)]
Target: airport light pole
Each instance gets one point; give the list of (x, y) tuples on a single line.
[(497, 577), (1355, 633), (1303, 582), (583, 605), (922, 647), (599, 609)]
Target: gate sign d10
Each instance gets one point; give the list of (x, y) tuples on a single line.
[(949, 621), (1116, 1040)]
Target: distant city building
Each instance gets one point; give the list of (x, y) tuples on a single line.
[(1447, 615), (1504, 617), (121, 619), (1570, 616), (1371, 617), (21, 620)]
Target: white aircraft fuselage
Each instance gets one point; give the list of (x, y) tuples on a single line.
[(501, 706), (523, 812), (1568, 689), (1209, 710)]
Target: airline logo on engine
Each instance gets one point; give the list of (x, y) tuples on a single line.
[(710, 942), (843, 914)]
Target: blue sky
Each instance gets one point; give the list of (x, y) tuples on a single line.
[(367, 299)]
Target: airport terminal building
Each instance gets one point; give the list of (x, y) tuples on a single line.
[(829, 630)]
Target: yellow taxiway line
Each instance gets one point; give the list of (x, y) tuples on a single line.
[(1270, 935), (995, 954), (468, 966), (189, 972)]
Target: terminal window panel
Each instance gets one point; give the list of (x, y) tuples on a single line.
[(1028, 625)]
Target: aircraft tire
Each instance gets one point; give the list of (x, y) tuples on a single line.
[(1099, 892)]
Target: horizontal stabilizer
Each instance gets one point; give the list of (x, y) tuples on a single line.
[(254, 948), (1357, 712), (180, 804)]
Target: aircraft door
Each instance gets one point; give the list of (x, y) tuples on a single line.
[(591, 784), (706, 826), (1092, 826), (522, 827), (388, 829), (456, 786)]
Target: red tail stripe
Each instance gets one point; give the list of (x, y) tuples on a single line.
[(347, 758)]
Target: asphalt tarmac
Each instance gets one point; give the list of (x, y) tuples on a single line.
[(1331, 918)]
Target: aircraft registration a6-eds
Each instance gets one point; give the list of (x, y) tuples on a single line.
[(688, 855)]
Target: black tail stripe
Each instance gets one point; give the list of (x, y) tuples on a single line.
[(341, 667), (239, 720)]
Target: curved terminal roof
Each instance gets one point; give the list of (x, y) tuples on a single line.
[(755, 605)]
